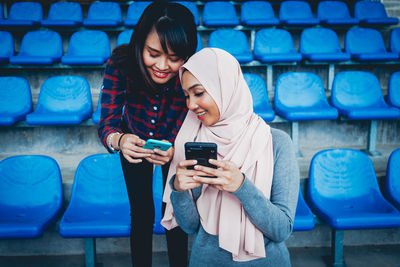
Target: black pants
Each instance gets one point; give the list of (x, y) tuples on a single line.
[(139, 183)]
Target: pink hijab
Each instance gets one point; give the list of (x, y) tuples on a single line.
[(242, 137)]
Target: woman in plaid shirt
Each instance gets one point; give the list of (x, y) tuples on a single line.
[(142, 98)]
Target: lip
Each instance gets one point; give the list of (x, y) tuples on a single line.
[(201, 117), (160, 74)]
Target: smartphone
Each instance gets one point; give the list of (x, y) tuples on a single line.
[(202, 152), (162, 145)]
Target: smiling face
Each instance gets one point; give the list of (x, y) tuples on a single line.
[(199, 100), (161, 66)]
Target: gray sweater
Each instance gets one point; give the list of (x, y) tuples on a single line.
[(274, 217)]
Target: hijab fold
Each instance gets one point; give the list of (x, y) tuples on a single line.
[(242, 137)]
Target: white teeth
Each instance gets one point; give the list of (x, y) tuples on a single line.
[(201, 113), (160, 74)]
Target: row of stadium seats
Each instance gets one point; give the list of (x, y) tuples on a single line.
[(342, 190), (270, 45), (215, 13)]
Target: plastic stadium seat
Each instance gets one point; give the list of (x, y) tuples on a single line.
[(395, 40), (124, 37), (6, 46), (158, 191), (64, 14), (358, 95), (344, 192), (97, 113), (1, 12), (293, 13), (24, 14), (366, 45), (335, 13), (62, 100), (321, 44), (193, 8), (275, 45), (304, 218), (373, 13), (260, 96), (394, 90), (219, 13), (135, 11), (257, 13), (15, 100), (103, 14), (301, 96), (199, 43), (39, 47), (87, 47), (233, 41), (31, 195), (392, 184)]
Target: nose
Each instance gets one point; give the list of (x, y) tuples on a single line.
[(191, 104), (162, 63)]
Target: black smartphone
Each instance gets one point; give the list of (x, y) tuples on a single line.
[(202, 152)]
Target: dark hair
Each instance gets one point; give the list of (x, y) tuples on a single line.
[(176, 29)]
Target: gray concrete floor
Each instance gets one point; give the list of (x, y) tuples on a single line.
[(358, 256)]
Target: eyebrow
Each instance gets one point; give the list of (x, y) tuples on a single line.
[(157, 51), (194, 86)]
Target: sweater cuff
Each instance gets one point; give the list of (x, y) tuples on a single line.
[(177, 195), (245, 190)]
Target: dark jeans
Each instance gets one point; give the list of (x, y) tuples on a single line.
[(139, 183)]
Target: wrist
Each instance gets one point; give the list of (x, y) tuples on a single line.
[(111, 142)]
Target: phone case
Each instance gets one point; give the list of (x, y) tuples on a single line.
[(202, 152), (152, 144)]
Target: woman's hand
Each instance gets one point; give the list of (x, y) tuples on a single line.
[(160, 157), (184, 177), (229, 177), (130, 146)]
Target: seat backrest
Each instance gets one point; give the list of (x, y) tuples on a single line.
[(65, 94), (369, 10), (394, 90), (356, 89), (89, 43), (319, 40), (124, 37), (135, 11), (104, 11), (15, 95), (395, 40), (192, 7), (392, 185), (219, 10), (273, 41), (295, 10), (6, 44), (258, 90), (233, 41), (65, 11), (299, 89), (333, 10), (363, 40), (99, 180), (341, 175), (29, 181), (41, 43), (258, 8), (26, 11)]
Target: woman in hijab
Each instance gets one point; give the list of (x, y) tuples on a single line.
[(243, 216)]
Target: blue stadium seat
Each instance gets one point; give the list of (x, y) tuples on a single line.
[(257, 13), (321, 44), (296, 13), (15, 100), (63, 100), (124, 37), (103, 14), (1, 12), (6, 46), (301, 96), (24, 14), (233, 41), (158, 191), (40, 48), (344, 192), (373, 13), (335, 13), (367, 45), (87, 47), (64, 14), (304, 218), (395, 40), (394, 90), (392, 184), (31, 195), (259, 93), (135, 10), (199, 43), (275, 45), (219, 13), (358, 95), (97, 113), (193, 8)]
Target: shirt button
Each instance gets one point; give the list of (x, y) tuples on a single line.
[(157, 96), (153, 121), (151, 134), (155, 107)]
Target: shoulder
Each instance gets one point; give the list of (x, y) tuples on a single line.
[(281, 142)]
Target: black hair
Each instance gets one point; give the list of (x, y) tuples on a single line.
[(176, 30)]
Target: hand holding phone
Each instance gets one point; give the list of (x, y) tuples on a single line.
[(157, 144), (202, 152)]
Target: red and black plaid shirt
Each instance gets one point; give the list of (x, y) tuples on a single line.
[(157, 115)]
